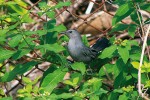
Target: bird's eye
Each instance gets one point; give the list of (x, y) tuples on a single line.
[(70, 32)]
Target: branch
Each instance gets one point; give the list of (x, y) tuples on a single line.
[(141, 61)]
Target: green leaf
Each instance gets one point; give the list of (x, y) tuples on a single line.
[(97, 84), (113, 96), (14, 26), (139, 1), (15, 40), (144, 78), (145, 6), (19, 69), (3, 32), (5, 54), (65, 96), (132, 42), (124, 53), (119, 27), (29, 33), (135, 64), (68, 82), (26, 80), (20, 10), (20, 53), (148, 42), (52, 47), (50, 14), (41, 32), (107, 67), (121, 66), (29, 88), (58, 28), (42, 4), (26, 18), (76, 80), (73, 83), (52, 79), (56, 58), (49, 70), (7, 98), (135, 56), (14, 17), (119, 2), (102, 91), (50, 24), (118, 90), (147, 85), (124, 44), (76, 77), (128, 88), (61, 4), (135, 94), (135, 18), (123, 96), (85, 40), (122, 12), (60, 96), (24, 44), (94, 97), (145, 67), (120, 80), (79, 66), (131, 30), (108, 52)]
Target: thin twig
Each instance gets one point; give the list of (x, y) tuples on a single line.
[(141, 23), (31, 47), (141, 61), (143, 50)]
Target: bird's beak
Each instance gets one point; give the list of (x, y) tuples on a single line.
[(63, 33)]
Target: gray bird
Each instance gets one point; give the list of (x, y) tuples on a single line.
[(79, 51)]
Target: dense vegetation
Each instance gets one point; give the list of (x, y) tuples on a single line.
[(114, 75)]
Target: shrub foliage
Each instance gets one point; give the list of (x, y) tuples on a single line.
[(113, 75)]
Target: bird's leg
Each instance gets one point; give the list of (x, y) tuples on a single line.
[(89, 71)]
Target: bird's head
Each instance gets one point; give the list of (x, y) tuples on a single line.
[(72, 34)]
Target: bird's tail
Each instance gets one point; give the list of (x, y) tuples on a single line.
[(100, 44)]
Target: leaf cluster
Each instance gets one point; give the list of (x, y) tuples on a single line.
[(112, 76)]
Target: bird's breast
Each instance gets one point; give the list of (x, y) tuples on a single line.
[(74, 49)]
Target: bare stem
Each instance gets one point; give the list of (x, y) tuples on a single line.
[(141, 61), (144, 38)]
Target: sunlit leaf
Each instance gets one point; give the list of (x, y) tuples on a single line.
[(18, 70), (108, 52), (51, 80), (5, 54), (15, 40), (131, 30), (124, 53), (122, 12), (20, 53), (79, 66), (50, 14), (52, 47), (119, 27), (145, 6)]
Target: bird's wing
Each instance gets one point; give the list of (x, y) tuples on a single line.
[(89, 52)]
